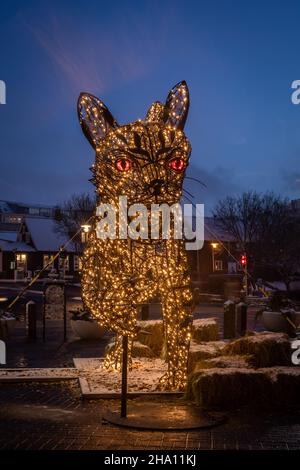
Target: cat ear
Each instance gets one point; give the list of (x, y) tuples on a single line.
[(177, 106), (94, 117), (155, 112)]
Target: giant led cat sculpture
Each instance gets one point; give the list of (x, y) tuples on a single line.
[(146, 162)]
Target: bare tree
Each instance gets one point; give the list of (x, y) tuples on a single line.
[(239, 216), (73, 213), (267, 231)]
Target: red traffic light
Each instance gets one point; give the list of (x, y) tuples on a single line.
[(243, 260)]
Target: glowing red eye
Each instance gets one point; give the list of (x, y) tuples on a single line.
[(177, 164), (123, 165)]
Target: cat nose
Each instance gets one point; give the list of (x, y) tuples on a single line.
[(156, 184)]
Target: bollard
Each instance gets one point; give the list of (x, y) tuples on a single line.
[(31, 319), (229, 320), (241, 318), (145, 312)]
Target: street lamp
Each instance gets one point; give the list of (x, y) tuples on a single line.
[(214, 247), (85, 232)]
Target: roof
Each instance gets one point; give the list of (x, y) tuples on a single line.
[(15, 246), (44, 236), (10, 206), (9, 236), (9, 227)]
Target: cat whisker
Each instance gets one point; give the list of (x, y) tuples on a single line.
[(190, 194), (195, 179)]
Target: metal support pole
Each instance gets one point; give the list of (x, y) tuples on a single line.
[(31, 319), (124, 377), (246, 280)]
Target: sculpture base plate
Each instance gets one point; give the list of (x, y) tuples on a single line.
[(158, 416)]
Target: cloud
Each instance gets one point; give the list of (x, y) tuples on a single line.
[(43, 186), (89, 55), (291, 180), (219, 183)]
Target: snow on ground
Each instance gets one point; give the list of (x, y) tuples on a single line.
[(38, 373), (144, 375)]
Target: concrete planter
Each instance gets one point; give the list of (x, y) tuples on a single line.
[(275, 321), (87, 329)]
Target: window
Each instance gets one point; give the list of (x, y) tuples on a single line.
[(21, 259), (34, 211), (12, 219), (218, 265), (46, 260), (77, 263), (45, 212), (232, 267), (63, 263)]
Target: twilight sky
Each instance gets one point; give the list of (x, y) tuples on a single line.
[(239, 59)]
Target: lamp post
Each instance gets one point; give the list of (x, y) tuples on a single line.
[(214, 247), (85, 232), (244, 264)]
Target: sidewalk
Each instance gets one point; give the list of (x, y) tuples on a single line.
[(52, 416)]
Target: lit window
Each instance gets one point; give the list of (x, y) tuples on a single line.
[(63, 263), (46, 260), (77, 263), (218, 265), (21, 259)]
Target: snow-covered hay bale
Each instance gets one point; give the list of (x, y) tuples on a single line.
[(241, 362), (200, 351), (266, 349), (151, 334), (205, 329), (229, 388), (141, 350)]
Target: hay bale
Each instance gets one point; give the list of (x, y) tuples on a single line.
[(229, 388), (200, 351), (205, 329), (286, 386), (241, 362), (151, 334), (141, 350), (267, 349)]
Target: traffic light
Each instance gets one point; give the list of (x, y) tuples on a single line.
[(243, 260)]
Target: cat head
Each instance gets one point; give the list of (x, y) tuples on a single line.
[(144, 160)]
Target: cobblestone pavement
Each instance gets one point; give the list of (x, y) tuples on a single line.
[(52, 416)]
